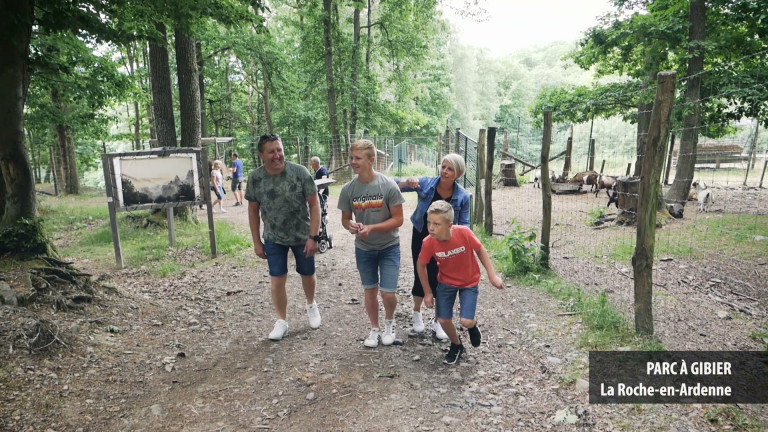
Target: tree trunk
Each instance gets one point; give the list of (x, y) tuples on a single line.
[(146, 88), (354, 71), (17, 183), (162, 95), (71, 172), (686, 160), (642, 259), (333, 127), (546, 192), (189, 90), (201, 86), (265, 95)]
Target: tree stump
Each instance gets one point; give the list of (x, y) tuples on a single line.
[(628, 188), (508, 175)]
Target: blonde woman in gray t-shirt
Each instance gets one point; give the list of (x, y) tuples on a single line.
[(376, 203)]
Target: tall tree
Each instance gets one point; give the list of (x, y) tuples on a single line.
[(162, 93), (333, 127), (17, 188), (686, 162), (189, 88)]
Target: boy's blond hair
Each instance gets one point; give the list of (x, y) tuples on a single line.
[(366, 146), (442, 208)]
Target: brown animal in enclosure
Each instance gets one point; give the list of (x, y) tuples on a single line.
[(605, 182), (585, 177), (694, 191)]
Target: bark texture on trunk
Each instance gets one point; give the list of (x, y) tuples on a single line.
[(686, 161), (17, 185), (162, 96), (189, 90)]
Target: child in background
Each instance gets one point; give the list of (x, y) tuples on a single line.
[(217, 186), (458, 274)]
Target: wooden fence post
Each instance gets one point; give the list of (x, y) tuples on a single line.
[(480, 171), (491, 147), (546, 192), (648, 200)]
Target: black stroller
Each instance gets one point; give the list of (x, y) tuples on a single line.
[(326, 240)]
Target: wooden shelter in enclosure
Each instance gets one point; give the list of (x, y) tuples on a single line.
[(717, 152)]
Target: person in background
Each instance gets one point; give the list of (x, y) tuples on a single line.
[(459, 275), (217, 186), (237, 179), (284, 195), (377, 206), (429, 190), (320, 172)]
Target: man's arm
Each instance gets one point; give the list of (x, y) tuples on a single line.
[(254, 220), (314, 224)]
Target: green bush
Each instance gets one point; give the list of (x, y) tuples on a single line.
[(516, 253)]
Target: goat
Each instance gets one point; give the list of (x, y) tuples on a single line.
[(590, 178), (613, 196), (705, 196), (537, 177), (694, 191), (605, 182), (585, 177)]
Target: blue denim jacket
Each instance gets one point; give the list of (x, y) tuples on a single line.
[(426, 191)]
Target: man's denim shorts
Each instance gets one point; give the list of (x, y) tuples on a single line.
[(446, 298), (277, 259), (386, 261)]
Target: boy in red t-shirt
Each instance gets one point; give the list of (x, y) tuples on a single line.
[(458, 274)]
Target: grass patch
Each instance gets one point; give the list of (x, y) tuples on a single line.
[(734, 235), (732, 416), (80, 225), (606, 327)]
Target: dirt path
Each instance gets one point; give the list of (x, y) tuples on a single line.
[(190, 354)]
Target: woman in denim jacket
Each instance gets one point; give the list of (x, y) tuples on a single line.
[(431, 189)]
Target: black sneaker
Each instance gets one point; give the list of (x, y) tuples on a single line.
[(475, 336), (454, 354)]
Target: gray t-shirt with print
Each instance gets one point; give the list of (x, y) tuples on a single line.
[(371, 203), (283, 202)]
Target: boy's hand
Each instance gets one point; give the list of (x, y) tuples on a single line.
[(496, 281), (429, 300)]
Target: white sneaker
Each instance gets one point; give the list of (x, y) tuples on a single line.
[(281, 328), (439, 332), (313, 313), (418, 322), (372, 341), (388, 337), (223, 211)]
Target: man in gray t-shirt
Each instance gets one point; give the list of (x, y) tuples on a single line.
[(284, 196), (372, 209)]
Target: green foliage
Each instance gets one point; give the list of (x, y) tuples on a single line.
[(25, 237), (596, 216), (414, 170), (516, 253), (606, 327)]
